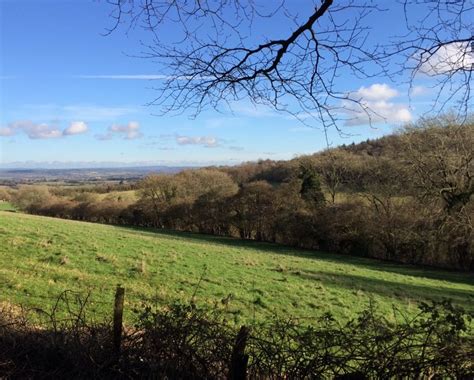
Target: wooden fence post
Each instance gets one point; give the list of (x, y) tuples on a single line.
[(239, 360), (118, 318)]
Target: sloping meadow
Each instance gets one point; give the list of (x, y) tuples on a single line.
[(42, 257)]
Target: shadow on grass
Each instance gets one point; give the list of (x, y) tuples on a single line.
[(390, 289), (335, 258)]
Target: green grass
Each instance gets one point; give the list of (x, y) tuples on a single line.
[(42, 257), (6, 206)]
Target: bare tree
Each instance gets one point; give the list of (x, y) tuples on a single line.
[(439, 44), (212, 53), (336, 167), (214, 61), (440, 156), (158, 191)]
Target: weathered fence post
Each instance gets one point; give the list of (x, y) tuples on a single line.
[(118, 318), (239, 360)]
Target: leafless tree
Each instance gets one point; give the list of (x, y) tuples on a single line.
[(215, 52), (439, 44), (441, 159), (216, 60)]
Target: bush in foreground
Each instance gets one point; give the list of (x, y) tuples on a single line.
[(184, 341)]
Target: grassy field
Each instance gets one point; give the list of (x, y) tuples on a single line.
[(5, 206), (42, 257)]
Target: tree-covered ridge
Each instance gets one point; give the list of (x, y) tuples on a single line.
[(406, 197)]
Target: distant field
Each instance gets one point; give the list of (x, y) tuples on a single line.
[(42, 257), (124, 196), (6, 206)]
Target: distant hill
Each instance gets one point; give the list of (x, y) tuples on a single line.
[(83, 174)]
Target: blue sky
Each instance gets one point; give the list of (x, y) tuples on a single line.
[(69, 94)]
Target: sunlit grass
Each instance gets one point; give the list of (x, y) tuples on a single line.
[(42, 257), (6, 206)]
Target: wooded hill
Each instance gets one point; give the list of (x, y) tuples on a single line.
[(406, 197)]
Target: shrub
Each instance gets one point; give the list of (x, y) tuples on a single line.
[(188, 342)]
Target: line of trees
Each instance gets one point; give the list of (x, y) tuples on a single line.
[(405, 197)]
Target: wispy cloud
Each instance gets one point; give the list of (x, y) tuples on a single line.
[(130, 131), (220, 122), (104, 136), (6, 131), (417, 91), (206, 141), (98, 112), (302, 128)]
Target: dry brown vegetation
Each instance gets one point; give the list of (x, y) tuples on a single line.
[(187, 342)]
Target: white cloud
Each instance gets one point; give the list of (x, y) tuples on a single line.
[(41, 131), (130, 131), (76, 128), (34, 131), (206, 141), (447, 59), (376, 92), (374, 106)]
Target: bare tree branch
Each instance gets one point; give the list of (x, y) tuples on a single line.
[(439, 45), (209, 55)]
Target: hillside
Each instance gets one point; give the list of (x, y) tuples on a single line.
[(42, 257)]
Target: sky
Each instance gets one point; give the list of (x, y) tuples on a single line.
[(71, 96)]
